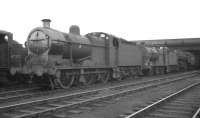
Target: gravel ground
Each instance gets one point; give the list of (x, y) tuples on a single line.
[(119, 106)]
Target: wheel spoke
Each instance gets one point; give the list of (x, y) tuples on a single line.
[(89, 79), (66, 81), (104, 77)]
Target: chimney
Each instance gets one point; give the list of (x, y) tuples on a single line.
[(46, 23)]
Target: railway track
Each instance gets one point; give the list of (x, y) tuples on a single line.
[(26, 93), (197, 113), (7, 96), (181, 104), (54, 104)]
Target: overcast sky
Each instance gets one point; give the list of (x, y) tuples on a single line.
[(129, 19)]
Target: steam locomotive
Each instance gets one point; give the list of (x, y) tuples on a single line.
[(60, 60), (12, 56)]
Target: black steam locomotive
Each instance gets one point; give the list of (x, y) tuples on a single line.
[(60, 59)]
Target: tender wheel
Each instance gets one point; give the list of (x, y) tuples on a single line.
[(52, 83), (89, 79), (66, 80), (104, 77)]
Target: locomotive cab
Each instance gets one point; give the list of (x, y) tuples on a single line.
[(4, 50), (5, 39)]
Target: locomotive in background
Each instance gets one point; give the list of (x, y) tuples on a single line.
[(12, 55), (59, 59)]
